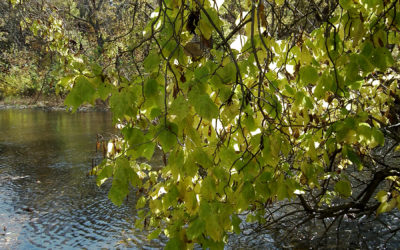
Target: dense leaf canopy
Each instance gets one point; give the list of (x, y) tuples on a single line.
[(252, 104)]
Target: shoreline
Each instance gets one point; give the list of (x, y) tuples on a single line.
[(47, 104)]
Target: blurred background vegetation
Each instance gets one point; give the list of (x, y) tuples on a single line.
[(98, 32)]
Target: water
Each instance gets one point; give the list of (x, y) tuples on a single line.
[(47, 200)]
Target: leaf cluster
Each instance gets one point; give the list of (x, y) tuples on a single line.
[(287, 105)]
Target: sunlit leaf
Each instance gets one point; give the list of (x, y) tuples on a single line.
[(386, 206), (382, 196), (141, 202)]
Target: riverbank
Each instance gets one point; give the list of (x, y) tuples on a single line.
[(50, 103)]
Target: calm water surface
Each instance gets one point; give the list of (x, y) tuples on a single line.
[(46, 198)]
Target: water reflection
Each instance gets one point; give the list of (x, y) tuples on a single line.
[(46, 198)]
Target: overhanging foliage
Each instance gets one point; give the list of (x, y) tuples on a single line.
[(251, 102)]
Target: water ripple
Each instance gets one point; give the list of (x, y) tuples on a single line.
[(46, 199)]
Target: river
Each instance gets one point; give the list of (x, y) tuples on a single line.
[(47, 200)]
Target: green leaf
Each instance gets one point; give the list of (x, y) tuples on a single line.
[(205, 26), (96, 69), (201, 74), (148, 150), (141, 202), (123, 175), (104, 90), (152, 62), (155, 112), (171, 197), (213, 214), (208, 188), (65, 81), (191, 202), (282, 190), (153, 235), (308, 74), (213, 228), (83, 91), (151, 88), (227, 73), (386, 206), (174, 244), (134, 136), (382, 58), (167, 139), (179, 108), (345, 130), (343, 187), (201, 157), (196, 228), (250, 123), (236, 223), (367, 49), (122, 104), (214, 16), (346, 4), (203, 105), (352, 156), (364, 64), (247, 196), (205, 209), (221, 174), (104, 174), (382, 196), (364, 131), (352, 71), (175, 162), (290, 91), (378, 138)]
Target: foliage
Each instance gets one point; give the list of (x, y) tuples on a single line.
[(97, 33), (284, 103), (26, 65)]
